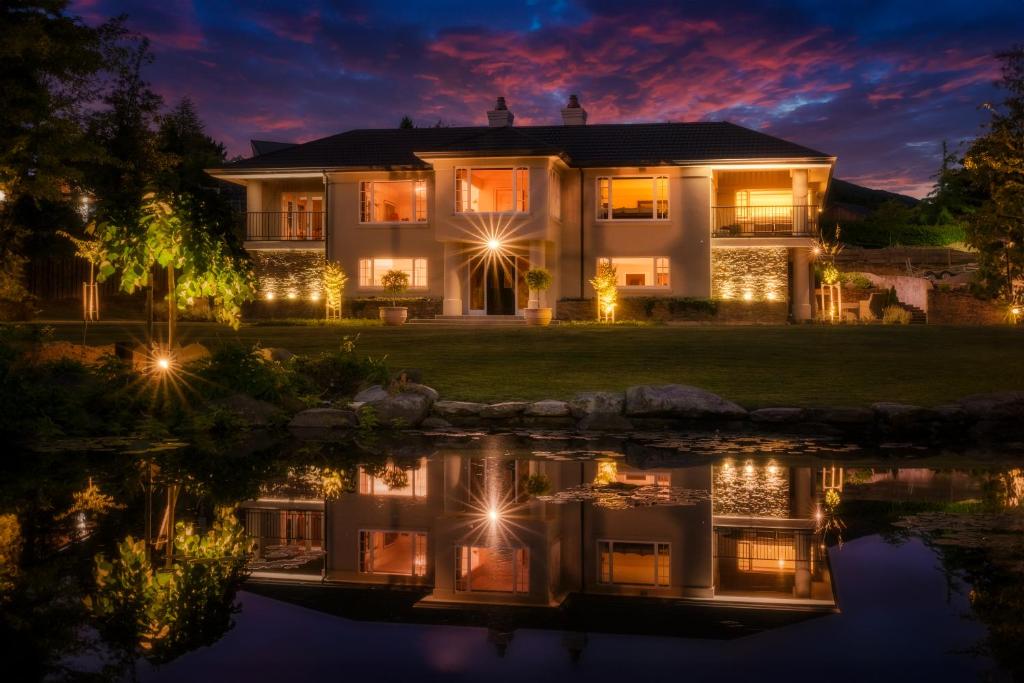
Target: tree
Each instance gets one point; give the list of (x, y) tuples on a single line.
[(995, 163), (406, 123)]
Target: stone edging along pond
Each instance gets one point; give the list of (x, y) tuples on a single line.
[(997, 417)]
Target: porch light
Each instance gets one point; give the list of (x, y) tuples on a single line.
[(494, 244), (493, 515)]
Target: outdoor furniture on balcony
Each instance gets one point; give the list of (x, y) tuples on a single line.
[(273, 226), (765, 221)]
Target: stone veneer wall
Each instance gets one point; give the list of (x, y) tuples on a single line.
[(961, 308), (281, 272), (749, 273)]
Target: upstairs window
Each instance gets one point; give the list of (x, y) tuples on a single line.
[(393, 201), (492, 190), (632, 198), (371, 270), (639, 271)]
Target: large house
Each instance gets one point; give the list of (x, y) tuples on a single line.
[(707, 210)]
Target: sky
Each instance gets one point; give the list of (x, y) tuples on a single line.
[(878, 84)]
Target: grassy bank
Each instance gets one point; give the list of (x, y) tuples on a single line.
[(755, 366)]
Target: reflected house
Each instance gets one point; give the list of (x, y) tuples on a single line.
[(485, 528)]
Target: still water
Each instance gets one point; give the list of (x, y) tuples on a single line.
[(499, 558)]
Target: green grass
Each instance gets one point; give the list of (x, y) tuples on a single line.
[(754, 365)]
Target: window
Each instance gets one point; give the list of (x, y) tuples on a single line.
[(634, 563), (501, 570), (492, 190), (371, 270), (632, 198), (393, 201), (393, 552), (640, 271), (301, 215), (394, 481)]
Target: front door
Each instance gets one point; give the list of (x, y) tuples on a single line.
[(500, 284)]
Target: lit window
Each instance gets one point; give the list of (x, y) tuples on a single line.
[(640, 271), (393, 552), (632, 198), (392, 201), (634, 563), (492, 190), (394, 481), (371, 270), (501, 570)]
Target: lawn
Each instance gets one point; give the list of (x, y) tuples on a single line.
[(753, 365)]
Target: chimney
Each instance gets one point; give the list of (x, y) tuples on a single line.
[(574, 114), (500, 116)]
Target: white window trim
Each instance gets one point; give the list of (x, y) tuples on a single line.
[(415, 207), (654, 270), (412, 567), (654, 206), (375, 288), (515, 189), (611, 567)]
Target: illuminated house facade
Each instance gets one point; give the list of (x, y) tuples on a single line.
[(706, 210), (473, 529)]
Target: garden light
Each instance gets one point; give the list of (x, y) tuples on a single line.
[(269, 296)]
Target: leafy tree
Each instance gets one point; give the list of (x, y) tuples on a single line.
[(995, 162)]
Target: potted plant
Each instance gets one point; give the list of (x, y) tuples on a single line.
[(395, 282), (538, 280)]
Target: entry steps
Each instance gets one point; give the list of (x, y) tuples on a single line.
[(471, 321)]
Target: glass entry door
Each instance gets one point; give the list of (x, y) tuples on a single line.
[(497, 286)]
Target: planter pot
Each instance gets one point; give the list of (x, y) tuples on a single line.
[(394, 315), (538, 316)]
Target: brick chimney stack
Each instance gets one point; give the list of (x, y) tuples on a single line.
[(500, 116), (574, 114)]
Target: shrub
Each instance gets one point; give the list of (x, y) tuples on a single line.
[(895, 315), (395, 282), (233, 368), (857, 281), (339, 373), (538, 279)]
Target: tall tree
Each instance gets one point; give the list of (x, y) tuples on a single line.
[(995, 162)]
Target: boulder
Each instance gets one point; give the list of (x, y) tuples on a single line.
[(902, 413), (547, 408), (680, 401), (458, 408), (323, 418), (252, 411), (504, 410), (1003, 405), (435, 423), (590, 402), (604, 422), (423, 390), (839, 415), (407, 409), (372, 393), (777, 415), (276, 353), (183, 355)]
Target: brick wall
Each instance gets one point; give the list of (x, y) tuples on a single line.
[(956, 307)]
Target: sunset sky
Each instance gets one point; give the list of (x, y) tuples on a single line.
[(878, 84)]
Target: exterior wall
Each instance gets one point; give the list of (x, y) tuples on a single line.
[(750, 274)]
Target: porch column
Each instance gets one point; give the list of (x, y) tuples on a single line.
[(799, 201), (801, 284), (802, 573), (452, 279), (537, 299)]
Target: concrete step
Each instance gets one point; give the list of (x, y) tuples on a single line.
[(470, 321)]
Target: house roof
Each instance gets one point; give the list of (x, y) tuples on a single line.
[(616, 144), (265, 146)]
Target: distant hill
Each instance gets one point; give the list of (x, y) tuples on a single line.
[(843, 192)]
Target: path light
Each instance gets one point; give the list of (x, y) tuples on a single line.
[(315, 296), (269, 296), (293, 295)]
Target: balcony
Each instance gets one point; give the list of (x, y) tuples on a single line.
[(283, 226), (765, 221)]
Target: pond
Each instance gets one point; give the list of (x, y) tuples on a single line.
[(513, 556)]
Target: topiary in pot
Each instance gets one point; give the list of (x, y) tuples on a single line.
[(395, 282), (538, 280)]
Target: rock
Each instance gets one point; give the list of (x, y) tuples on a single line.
[(183, 355), (323, 418), (1004, 405), (435, 423), (458, 408), (842, 415), (590, 402), (679, 400), (254, 412), (372, 393), (423, 390), (411, 375), (504, 410), (777, 415), (277, 354), (951, 412), (407, 409), (604, 422), (901, 413), (547, 408)]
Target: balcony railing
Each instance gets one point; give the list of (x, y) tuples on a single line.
[(273, 226), (765, 221)]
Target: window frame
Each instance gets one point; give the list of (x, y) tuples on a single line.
[(515, 188), (656, 264), (611, 565), (609, 218), (417, 262), (419, 208), (412, 567)]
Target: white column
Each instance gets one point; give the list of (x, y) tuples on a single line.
[(799, 200), (537, 260), (453, 261), (801, 284)]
